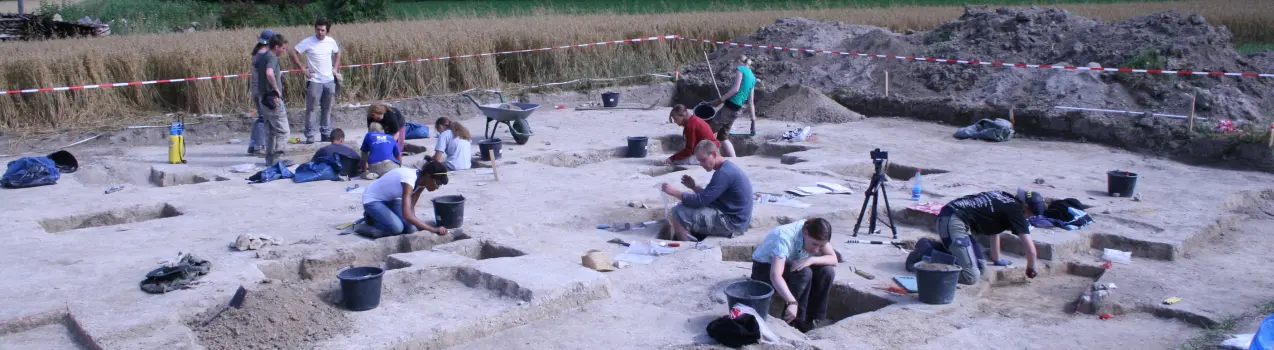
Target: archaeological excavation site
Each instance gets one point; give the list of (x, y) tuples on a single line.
[(560, 234)]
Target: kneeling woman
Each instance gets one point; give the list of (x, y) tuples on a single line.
[(389, 202), (798, 261)]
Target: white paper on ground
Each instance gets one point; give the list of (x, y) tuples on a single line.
[(1238, 341), (648, 248), (835, 188), (635, 259), (814, 190)]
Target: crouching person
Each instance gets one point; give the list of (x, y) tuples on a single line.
[(798, 260), (389, 202), (723, 209), (988, 213)]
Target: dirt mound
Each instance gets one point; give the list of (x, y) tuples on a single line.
[(961, 93), (287, 316), (803, 104)]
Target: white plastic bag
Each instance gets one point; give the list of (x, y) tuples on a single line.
[(767, 336), (1118, 256)]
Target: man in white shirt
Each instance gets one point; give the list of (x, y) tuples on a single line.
[(322, 57)]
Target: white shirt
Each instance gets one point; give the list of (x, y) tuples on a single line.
[(389, 186), (318, 57), (459, 154)]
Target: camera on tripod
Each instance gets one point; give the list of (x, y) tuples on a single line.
[(879, 154)]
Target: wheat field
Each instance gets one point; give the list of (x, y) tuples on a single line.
[(164, 56)]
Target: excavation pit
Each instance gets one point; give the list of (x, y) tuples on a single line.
[(480, 249), (325, 265), (906, 172), (745, 146), (119, 216), (162, 178), (580, 158), (48, 330), (845, 302)]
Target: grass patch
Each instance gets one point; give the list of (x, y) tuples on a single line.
[(1212, 337), (1251, 48)]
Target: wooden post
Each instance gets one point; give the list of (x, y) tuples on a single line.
[(1193, 99), (1013, 116), (886, 83), (1271, 135), (494, 170)]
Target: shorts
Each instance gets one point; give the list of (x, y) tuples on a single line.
[(703, 222), (724, 121)]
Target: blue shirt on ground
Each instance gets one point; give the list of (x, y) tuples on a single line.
[(785, 242), (380, 147), (730, 192)]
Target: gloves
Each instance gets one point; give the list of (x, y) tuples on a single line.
[(1030, 272)]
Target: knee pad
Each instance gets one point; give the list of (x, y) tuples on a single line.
[(962, 242)]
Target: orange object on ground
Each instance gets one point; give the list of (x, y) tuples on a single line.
[(1105, 316)]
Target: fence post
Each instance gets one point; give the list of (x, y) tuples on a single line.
[(21, 8), (1193, 99), (886, 84)]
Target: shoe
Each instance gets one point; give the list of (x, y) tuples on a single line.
[(309, 141), (326, 138), (370, 176), (252, 150)]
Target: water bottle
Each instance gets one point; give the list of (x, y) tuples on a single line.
[(916, 186)]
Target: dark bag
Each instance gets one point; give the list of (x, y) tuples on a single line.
[(271, 173), (326, 168), (30, 172), (417, 131), (737, 332)]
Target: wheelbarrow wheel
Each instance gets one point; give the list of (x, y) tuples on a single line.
[(520, 131)]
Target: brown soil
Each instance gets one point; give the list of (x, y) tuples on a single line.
[(803, 104), (962, 94), (937, 267), (287, 316)]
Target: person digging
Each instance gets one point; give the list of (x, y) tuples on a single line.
[(723, 209), (389, 202), (694, 130), (798, 261), (988, 213)]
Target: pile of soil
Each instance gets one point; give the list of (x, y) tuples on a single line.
[(962, 94), (928, 266), (287, 316), (803, 104)]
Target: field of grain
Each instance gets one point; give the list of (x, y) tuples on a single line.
[(142, 57)]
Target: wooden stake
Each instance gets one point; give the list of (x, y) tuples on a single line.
[(1272, 135), (1193, 98), (886, 83), (1013, 116), (494, 171)]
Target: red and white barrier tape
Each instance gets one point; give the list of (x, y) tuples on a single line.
[(229, 76), (985, 63)]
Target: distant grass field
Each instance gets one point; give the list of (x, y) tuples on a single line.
[(442, 8), (161, 56)]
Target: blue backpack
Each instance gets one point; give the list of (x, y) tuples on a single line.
[(30, 172)]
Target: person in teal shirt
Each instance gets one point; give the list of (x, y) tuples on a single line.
[(733, 100), (798, 261)]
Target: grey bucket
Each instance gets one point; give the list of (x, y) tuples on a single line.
[(751, 293), (1121, 183), (360, 287), (610, 99), (936, 287)]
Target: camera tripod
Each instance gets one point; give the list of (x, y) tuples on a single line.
[(872, 196)]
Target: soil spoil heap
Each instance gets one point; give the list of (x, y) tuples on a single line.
[(961, 94), (803, 104)]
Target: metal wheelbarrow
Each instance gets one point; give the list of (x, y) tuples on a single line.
[(515, 119)]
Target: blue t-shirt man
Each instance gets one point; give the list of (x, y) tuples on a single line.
[(380, 147)]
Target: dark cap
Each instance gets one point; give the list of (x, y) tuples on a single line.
[(265, 37), (1033, 200)]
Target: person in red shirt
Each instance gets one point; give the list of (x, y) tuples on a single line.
[(694, 130)]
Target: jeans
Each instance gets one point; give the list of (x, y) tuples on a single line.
[(388, 216), (811, 286), (318, 109), (955, 234), (276, 124), (258, 138)]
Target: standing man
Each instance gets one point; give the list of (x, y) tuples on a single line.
[(723, 209), (266, 68), (988, 213), (322, 58)]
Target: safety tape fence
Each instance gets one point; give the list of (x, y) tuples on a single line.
[(984, 63), (527, 87), (231, 76), (678, 37)]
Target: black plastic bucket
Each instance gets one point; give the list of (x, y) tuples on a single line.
[(936, 287), (360, 287), (610, 99), (705, 112), (65, 162), (637, 146), (1121, 183), (449, 211), (751, 293), (485, 147)]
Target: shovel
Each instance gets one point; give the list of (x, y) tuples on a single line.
[(236, 301)]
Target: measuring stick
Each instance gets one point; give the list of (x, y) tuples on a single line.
[(494, 170)]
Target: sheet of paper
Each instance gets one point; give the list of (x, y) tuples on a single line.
[(814, 190), (834, 187)]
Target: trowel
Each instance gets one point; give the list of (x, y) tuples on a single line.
[(236, 301)]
